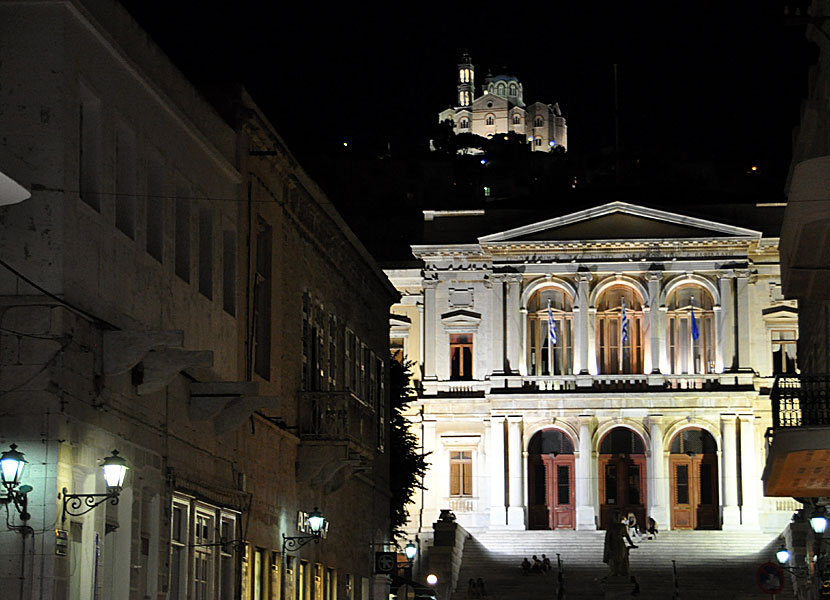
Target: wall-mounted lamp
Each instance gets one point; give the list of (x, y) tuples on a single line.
[(819, 522), (316, 523), (11, 469), (115, 468)]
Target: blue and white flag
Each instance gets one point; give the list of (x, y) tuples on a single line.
[(695, 331), (551, 328), (624, 324)]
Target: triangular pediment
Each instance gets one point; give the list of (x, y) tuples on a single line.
[(481, 102), (620, 221)]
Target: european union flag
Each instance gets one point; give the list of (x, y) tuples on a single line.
[(695, 331)]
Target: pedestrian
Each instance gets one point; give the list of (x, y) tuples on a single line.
[(472, 589), (482, 593), (546, 566), (652, 529), (525, 566), (537, 564)]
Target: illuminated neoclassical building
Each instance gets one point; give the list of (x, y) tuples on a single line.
[(501, 109), (531, 430)]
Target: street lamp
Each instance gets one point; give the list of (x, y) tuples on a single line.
[(783, 555), (410, 550), (818, 522), (316, 524), (11, 468), (115, 469)]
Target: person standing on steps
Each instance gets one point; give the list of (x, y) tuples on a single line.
[(482, 593), (546, 566), (472, 589), (615, 550)]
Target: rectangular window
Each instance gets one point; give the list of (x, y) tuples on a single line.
[(156, 203), (89, 149), (563, 485), (784, 344), (229, 271), (302, 581), (461, 356), (259, 574), (207, 536), (348, 368), (396, 349), (125, 164), (178, 551), (461, 473), (332, 370), (610, 484), (317, 589), (183, 234), (380, 406), (331, 584), (307, 342), (275, 576), (682, 484), (349, 587), (262, 301), (206, 252)]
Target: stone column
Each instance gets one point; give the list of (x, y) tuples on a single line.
[(495, 464), (725, 325), (743, 317), (658, 482), (750, 479), (516, 509), (513, 316), (593, 365), (731, 513), (498, 324), (585, 514), (430, 317), (421, 332), (656, 336), (581, 324)]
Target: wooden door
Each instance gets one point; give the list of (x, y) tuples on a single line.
[(694, 491), (560, 490), (622, 486)]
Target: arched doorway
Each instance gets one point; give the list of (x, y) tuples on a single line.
[(622, 475), (551, 493), (693, 468)]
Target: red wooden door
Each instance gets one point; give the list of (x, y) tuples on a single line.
[(560, 490)]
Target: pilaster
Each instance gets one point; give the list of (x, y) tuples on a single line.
[(497, 308), (725, 325), (495, 462), (581, 344), (585, 513), (515, 511), (513, 316), (750, 479), (658, 481), (731, 513), (655, 321), (430, 318)]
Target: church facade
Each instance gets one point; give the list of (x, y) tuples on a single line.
[(613, 359), (501, 109)]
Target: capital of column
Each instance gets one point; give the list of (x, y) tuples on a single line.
[(743, 273), (512, 277), (430, 283), (654, 276), (514, 419), (584, 276), (725, 274)]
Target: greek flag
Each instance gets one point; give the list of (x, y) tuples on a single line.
[(551, 328), (695, 331), (624, 324)]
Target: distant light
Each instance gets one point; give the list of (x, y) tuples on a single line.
[(432, 579), (818, 523), (483, 161), (505, 137), (552, 143), (783, 555), (754, 168), (345, 143), (530, 138)]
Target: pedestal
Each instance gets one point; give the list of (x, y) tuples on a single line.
[(617, 587)]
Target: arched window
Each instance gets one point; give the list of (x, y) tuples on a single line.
[(538, 122), (690, 330), (490, 120), (537, 141), (517, 120), (464, 124), (512, 89), (619, 350), (541, 361), (500, 89)]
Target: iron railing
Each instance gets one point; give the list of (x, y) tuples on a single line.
[(336, 416), (800, 401)]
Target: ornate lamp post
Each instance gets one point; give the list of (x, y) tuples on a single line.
[(11, 469), (316, 524)]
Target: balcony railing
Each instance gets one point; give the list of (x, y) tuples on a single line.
[(336, 416), (801, 401)]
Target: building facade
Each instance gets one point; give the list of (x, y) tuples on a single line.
[(615, 358), (501, 109), (177, 288)]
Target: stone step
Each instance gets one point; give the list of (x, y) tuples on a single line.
[(710, 564)]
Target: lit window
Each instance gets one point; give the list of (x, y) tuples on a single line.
[(512, 89), (461, 356), (461, 473), (550, 354), (615, 355), (537, 141), (464, 124), (486, 191), (500, 89), (538, 122)]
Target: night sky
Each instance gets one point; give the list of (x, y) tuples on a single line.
[(718, 81)]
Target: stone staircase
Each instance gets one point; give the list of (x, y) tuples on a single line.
[(710, 564)]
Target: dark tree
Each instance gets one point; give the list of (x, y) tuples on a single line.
[(408, 465)]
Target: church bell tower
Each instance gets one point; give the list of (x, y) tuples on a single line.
[(466, 81)]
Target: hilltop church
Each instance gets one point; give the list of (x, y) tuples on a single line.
[(501, 109)]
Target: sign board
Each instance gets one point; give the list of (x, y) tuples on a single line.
[(770, 578), (386, 562)]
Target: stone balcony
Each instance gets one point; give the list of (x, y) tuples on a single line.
[(547, 384)]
